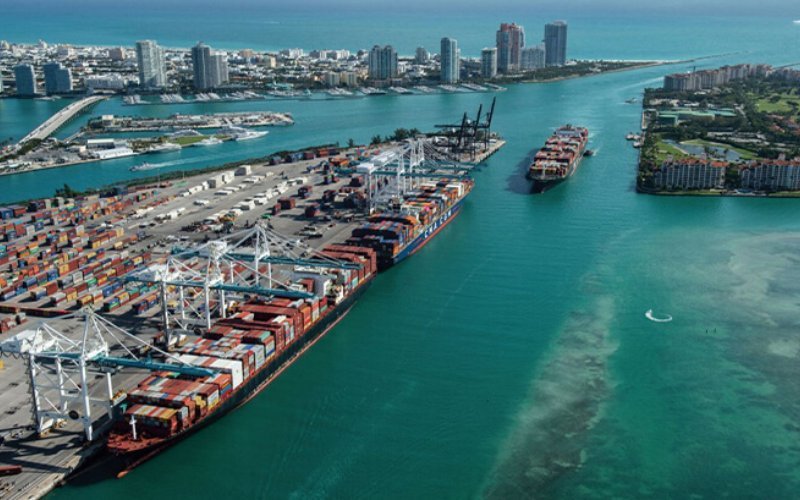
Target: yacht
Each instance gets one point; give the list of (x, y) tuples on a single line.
[(208, 141), (242, 134), (165, 147)]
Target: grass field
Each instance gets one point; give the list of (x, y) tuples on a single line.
[(781, 105), (664, 149)]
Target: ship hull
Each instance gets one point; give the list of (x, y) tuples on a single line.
[(423, 238), (539, 186), (251, 387)]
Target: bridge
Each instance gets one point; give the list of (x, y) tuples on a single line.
[(59, 119)]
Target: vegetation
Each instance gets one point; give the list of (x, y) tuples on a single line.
[(579, 68), (765, 125)]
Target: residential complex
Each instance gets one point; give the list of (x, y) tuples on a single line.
[(555, 43), (770, 175), (710, 78), (382, 63), (510, 42), (532, 58), (450, 60), (57, 78), (690, 173), (209, 70), (25, 79), (148, 68), (489, 62), (150, 59)]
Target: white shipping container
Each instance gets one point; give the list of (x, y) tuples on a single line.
[(225, 365)]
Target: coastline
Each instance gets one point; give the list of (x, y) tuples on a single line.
[(718, 194)]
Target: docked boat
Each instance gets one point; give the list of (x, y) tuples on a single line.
[(558, 159), (244, 353), (411, 221), (208, 141), (165, 147), (242, 134)]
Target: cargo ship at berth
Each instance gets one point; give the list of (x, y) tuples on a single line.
[(411, 220), (245, 351), (559, 158)]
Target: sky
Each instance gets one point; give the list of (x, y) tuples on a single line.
[(790, 8)]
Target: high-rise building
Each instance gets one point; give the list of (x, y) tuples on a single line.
[(533, 58), (118, 54), (450, 60), (555, 43), (150, 58), (25, 79), (382, 63), (201, 62), (421, 56), (489, 62), (57, 78), (219, 69), (510, 42), (210, 71)]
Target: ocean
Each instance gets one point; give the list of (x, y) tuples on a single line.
[(512, 358)]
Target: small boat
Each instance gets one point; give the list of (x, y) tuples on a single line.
[(145, 166), (796, 21), (588, 152), (649, 315), (208, 141), (637, 144), (632, 100)]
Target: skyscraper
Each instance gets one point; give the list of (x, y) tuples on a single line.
[(219, 69), (421, 56), (382, 63), (450, 61), (555, 43), (25, 79), (489, 62), (201, 60), (57, 78), (533, 58), (210, 71), (150, 58), (510, 42)]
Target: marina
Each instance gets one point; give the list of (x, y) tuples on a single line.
[(116, 124)]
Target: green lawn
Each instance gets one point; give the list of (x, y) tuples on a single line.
[(743, 153), (765, 105), (664, 149)]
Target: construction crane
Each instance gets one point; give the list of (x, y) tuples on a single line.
[(466, 136), (65, 355), (229, 269), (400, 169)]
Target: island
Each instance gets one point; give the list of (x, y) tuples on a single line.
[(731, 131)]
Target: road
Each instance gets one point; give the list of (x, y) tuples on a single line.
[(58, 120)]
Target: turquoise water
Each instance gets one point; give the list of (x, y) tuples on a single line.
[(512, 358)]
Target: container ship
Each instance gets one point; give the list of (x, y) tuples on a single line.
[(245, 352), (411, 220), (559, 158)]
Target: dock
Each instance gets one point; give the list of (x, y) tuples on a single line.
[(171, 213)]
